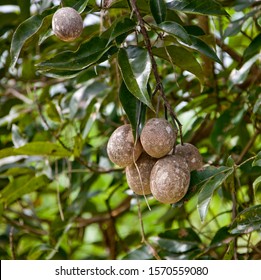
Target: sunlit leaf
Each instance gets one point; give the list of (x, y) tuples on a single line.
[(135, 66), (247, 221), (21, 186), (158, 9), (205, 7), (36, 148)]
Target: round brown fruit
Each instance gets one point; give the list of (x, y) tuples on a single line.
[(157, 137), (67, 24), (120, 147), (139, 181), (169, 179), (191, 155)]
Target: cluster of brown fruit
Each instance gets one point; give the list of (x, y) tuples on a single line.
[(151, 165)]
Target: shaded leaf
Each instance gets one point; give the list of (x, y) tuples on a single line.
[(202, 47), (182, 58), (36, 148), (206, 193), (257, 160), (247, 221), (176, 30), (197, 181), (253, 48), (158, 9), (25, 31), (205, 7), (123, 25), (87, 54), (135, 67), (21, 186)]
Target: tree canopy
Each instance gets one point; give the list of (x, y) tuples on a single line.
[(195, 63)]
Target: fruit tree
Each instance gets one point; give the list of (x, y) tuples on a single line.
[(130, 129)]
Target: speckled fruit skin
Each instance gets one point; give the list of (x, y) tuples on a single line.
[(169, 179), (157, 137), (67, 24), (120, 146), (191, 155), (144, 163)]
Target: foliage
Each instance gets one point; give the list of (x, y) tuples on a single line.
[(195, 62)]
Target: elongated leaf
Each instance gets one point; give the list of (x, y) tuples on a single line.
[(182, 58), (202, 47), (247, 221), (27, 30), (176, 30), (135, 67), (134, 109), (36, 148), (88, 54), (21, 186), (253, 48), (197, 181), (206, 193), (158, 9), (119, 27), (205, 7)]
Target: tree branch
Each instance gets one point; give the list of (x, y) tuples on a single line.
[(159, 86)]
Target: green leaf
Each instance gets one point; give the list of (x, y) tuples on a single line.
[(257, 160), (36, 148), (119, 27), (247, 221), (21, 186), (202, 47), (26, 30), (77, 5), (206, 193), (134, 109), (87, 54), (158, 9), (253, 48), (176, 30), (135, 67), (205, 7), (142, 253), (257, 189), (182, 58)]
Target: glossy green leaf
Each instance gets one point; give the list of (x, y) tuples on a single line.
[(77, 5), (253, 48), (36, 148), (197, 181), (21, 186), (202, 47), (27, 30), (135, 67), (87, 54), (134, 109), (257, 189), (158, 9), (182, 58), (207, 191), (247, 221), (257, 160), (176, 30), (205, 7), (121, 26), (142, 253)]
